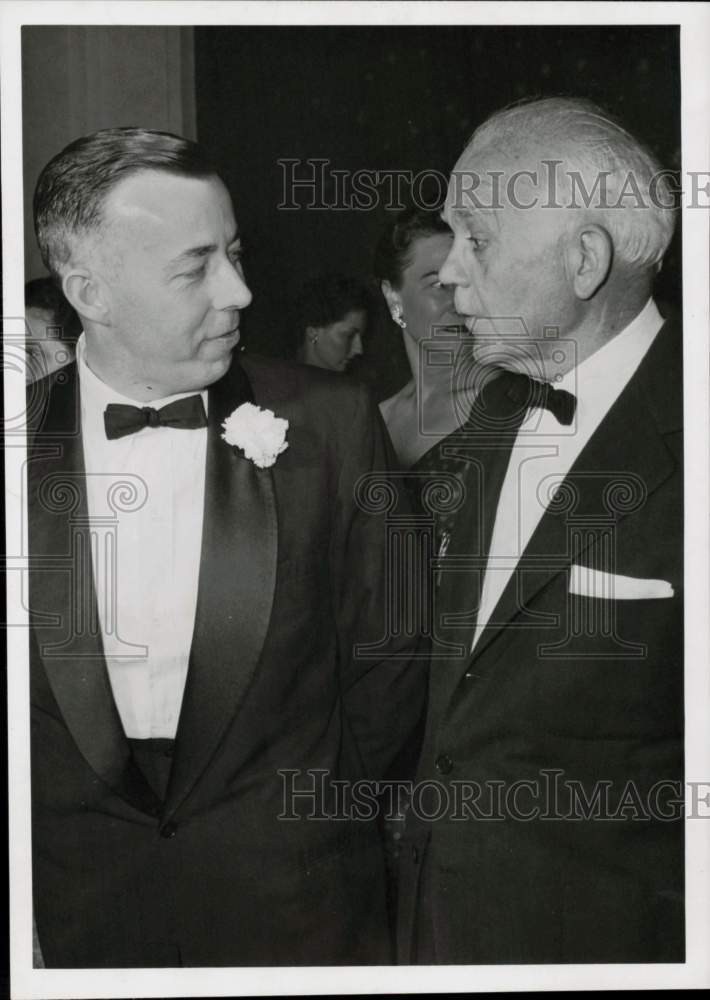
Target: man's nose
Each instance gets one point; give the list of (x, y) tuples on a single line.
[(231, 290), (451, 272), (356, 347)]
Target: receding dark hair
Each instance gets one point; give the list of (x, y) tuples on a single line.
[(73, 186), (393, 253), (326, 298), (45, 294)]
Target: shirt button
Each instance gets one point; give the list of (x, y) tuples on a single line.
[(168, 831), (444, 764)]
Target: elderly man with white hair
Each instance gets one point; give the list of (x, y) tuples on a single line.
[(546, 824)]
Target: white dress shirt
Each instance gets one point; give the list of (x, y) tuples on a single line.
[(545, 450), (146, 579)]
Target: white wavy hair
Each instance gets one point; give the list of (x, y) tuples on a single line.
[(588, 142)]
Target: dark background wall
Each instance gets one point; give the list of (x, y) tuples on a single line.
[(386, 98)]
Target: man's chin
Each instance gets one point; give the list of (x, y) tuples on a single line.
[(523, 358), (220, 366), (205, 373)]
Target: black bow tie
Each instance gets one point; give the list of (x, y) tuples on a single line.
[(121, 419), (530, 392)]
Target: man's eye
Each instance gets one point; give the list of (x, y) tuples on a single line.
[(476, 242), (236, 254), (194, 275)]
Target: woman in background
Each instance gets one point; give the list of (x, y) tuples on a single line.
[(443, 384), (53, 329), (445, 377), (333, 311)]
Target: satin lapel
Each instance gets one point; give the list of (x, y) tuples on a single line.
[(235, 595), (63, 606), (478, 454), (624, 462), (482, 467)]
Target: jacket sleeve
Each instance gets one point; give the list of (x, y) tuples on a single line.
[(383, 657)]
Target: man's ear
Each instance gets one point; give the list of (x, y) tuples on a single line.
[(87, 293), (392, 297), (589, 257)]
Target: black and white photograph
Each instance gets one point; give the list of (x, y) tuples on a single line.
[(356, 475)]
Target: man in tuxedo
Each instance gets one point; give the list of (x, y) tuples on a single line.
[(211, 647), (546, 822)]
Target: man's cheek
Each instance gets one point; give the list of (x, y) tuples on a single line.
[(482, 271)]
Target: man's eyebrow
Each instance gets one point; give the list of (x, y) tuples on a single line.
[(462, 215), (194, 253), (197, 253), (476, 216)]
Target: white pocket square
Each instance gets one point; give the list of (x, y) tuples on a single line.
[(588, 582)]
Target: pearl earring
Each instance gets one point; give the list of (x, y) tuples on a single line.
[(399, 319)]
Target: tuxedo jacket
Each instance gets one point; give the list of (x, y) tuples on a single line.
[(293, 669), (563, 729)]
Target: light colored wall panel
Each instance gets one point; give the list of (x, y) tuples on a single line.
[(76, 79)]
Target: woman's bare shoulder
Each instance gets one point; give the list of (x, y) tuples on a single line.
[(400, 399)]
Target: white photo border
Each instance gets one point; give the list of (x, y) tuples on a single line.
[(694, 21)]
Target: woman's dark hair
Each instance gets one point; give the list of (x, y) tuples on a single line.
[(44, 294), (327, 298), (72, 188), (393, 253)]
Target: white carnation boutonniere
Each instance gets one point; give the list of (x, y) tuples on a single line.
[(259, 433)]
